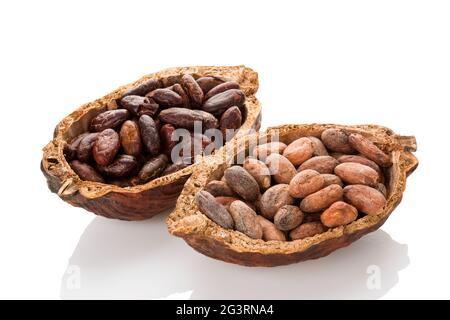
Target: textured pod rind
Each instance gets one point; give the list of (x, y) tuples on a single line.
[(232, 248), (142, 201)]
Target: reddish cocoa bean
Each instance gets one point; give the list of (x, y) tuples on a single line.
[(270, 232), (219, 103), (123, 166), (369, 150), (337, 140), (193, 90), (165, 97), (339, 214), (207, 83), (299, 151), (322, 199), (136, 104), (185, 118), (184, 97), (307, 230), (319, 147), (222, 88), (109, 120), (321, 164), (70, 149), (85, 171), (149, 134), (106, 147), (130, 138), (84, 152)]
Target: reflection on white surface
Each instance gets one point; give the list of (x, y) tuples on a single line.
[(140, 260)]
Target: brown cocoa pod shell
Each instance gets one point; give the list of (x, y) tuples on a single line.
[(369, 150), (109, 120), (337, 140), (138, 105), (141, 201), (207, 83), (84, 151), (165, 98), (222, 88), (106, 147), (321, 164), (153, 168), (149, 134), (187, 222), (130, 138), (186, 118), (122, 166), (221, 102), (193, 90), (85, 171)]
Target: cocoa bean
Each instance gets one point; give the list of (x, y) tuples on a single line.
[(70, 149), (219, 103), (299, 151), (280, 168), (369, 150), (221, 88), (208, 205), (130, 138), (321, 164), (109, 120), (319, 147), (106, 147), (84, 151), (305, 183), (366, 199), (322, 199), (153, 168), (306, 230), (219, 188), (241, 182), (193, 90), (259, 171), (339, 214), (337, 140), (165, 97), (137, 104), (143, 88), (149, 134), (231, 120), (186, 118), (85, 171), (262, 151), (355, 173), (269, 231), (123, 166), (330, 179), (288, 217), (207, 83), (245, 220), (184, 97), (273, 199)]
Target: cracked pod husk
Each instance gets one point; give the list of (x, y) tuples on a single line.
[(146, 200), (231, 246)]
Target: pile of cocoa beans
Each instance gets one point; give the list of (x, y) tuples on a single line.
[(299, 190), (133, 143)]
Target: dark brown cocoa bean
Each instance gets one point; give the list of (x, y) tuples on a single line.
[(84, 151), (106, 147), (193, 90), (143, 88), (174, 167), (85, 171), (208, 205), (184, 97), (149, 134), (219, 189), (130, 138), (242, 183), (221, 88), (165, 97), (138, 105), (231, 120), (109, 120), (207, 83), (123, 166), (70, 149), (153, 168), (167, 144), (185, 118), (219, 103)]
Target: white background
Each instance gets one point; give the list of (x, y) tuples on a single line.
[(348, 62)]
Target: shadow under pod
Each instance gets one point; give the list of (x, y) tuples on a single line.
[(140, 260)]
